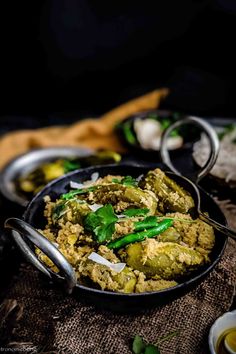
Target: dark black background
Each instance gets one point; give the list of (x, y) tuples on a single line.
[(63, 59)]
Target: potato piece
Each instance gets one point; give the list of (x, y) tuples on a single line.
[(107, 279), (72, 210), (126, 280), (170, 235), (194, 233), (115, 193), (52, 170), (171, 196), (166, 259)]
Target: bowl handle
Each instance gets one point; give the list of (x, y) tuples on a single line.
[(213, 140), (21, 228)]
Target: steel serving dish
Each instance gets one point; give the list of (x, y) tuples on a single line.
[(27, 162)]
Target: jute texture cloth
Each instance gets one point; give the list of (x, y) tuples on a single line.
[(48, 321)]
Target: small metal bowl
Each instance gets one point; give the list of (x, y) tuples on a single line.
[(226, 321), (189, 134), (27, 162)]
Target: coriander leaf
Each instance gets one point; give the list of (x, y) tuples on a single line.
[(107, 213), (135, 212), (71, 194), (129, 181), (128, 133), (105, 232), (70, 165), (227, 129), (151, 218), (115, 180), (92, 221), (126, 181), (101, 223), (58, 211), (138, 345), (221, 135), (174, 133), (165, 123), (151, 349)]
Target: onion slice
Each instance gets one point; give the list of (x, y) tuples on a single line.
[(75, 185), (121, 216), (116, 267), (94, 177), (94, 207), (138, 179)]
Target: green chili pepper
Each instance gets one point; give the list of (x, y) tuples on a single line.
[(129, 136), (147, 223), (140, 236), (70, 165), (71, 194)]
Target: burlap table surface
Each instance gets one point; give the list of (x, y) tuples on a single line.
[(47, 320)]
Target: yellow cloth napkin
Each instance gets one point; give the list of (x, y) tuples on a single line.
[(94, 133)]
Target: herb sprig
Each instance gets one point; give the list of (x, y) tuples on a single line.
[(126, 181), (101, 223), (139, 346), (71, 194), (70, 165), (227, 130), (136, 212)]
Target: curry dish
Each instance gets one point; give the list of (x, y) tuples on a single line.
[(128, 235)]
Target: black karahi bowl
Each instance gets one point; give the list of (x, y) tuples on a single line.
[(26, 236), (134, 301)]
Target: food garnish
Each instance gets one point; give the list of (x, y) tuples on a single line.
[(136, 212), (128, 133), (126, 181), (140, 236), (101, 223), (70, 165), (140, 346), (229, 128), (76, 185), (71, 194), (116, 267), (147, 223)]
